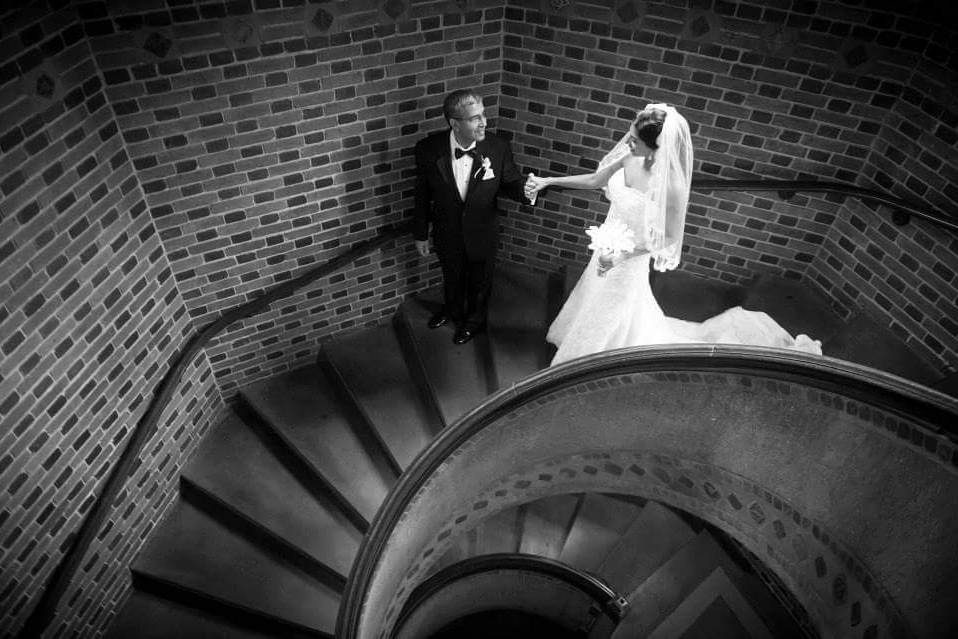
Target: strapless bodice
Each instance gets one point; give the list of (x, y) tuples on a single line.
[(628, 204)]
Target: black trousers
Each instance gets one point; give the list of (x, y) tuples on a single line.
[(467, 284)]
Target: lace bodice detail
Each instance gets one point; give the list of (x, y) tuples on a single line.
[(627, 204)]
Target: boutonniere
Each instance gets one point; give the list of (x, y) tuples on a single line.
[(486, 168)]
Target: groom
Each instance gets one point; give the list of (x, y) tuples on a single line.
[(459, 174)]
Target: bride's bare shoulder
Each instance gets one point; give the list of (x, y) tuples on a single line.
[(636, 172)]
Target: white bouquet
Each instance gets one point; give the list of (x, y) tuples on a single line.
[(607, 240)]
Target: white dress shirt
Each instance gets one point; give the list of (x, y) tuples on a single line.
[(461, 168)]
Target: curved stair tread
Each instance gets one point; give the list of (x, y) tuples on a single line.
[(694, 298), (305, 413), (657, 597), (864, 341), (145, 616), (194, 552), (236, 467), (767, 605), (516, 354), (519, 297), (518, 321), (947, 384), (546, 523), (796, 306), (598, 526), (455, 374), (652, 537), (462, 547), (715, 608), (371, 365), (498, 533)]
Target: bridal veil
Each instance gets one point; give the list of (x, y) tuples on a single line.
[(669, 187)]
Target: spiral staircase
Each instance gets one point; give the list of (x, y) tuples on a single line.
[(274, 505)]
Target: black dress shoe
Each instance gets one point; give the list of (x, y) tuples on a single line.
[(463, 335), (437, 320)]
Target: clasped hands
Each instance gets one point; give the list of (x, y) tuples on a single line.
[(609, 259), (533, 186)]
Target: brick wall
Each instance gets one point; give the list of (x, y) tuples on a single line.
[(269, 137), (101, 586), (801, 90), (160, 165), (906, 276), (741, 77), (90, 316)]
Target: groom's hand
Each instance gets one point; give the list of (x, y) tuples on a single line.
[(531, 188), (422, 246)]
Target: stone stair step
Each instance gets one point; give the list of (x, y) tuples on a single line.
[(947, 384), (652, 537), (598, 526), (300, 408), (193, 553), (518, 312), (498, 533), (146, 616), (690, 297), (715, 608), (235, 466), (794, 305), (546, 523), (865, 341), (456, 376), (463, 547), (656, 597), (372, 367), (766, 605)]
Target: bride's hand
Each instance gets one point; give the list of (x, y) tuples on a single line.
[(609, 260), (533, 185), (605, 262)]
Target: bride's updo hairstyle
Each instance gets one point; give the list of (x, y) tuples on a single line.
[(648, 126), (666, 132)]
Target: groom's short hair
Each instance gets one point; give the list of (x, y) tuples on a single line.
[(456, 101)]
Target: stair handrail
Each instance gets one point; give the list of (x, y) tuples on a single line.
[(877, 387), (597, 589), (786, 188), (61, 575)]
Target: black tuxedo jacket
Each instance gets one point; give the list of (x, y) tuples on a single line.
[(458, 225)]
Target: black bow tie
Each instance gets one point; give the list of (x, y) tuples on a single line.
[(461, 152)]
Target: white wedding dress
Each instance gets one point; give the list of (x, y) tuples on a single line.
[(619, 310)]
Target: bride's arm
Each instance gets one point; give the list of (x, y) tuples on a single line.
[(596, 180)]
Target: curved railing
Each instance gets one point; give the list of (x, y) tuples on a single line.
[(64, 571), (86, 533), (931, 417), (598, 591)]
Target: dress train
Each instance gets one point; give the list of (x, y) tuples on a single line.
[(619, 310)]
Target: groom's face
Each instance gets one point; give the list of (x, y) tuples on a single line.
[(470, 126)]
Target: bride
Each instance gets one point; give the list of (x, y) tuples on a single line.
[(647, 178)]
